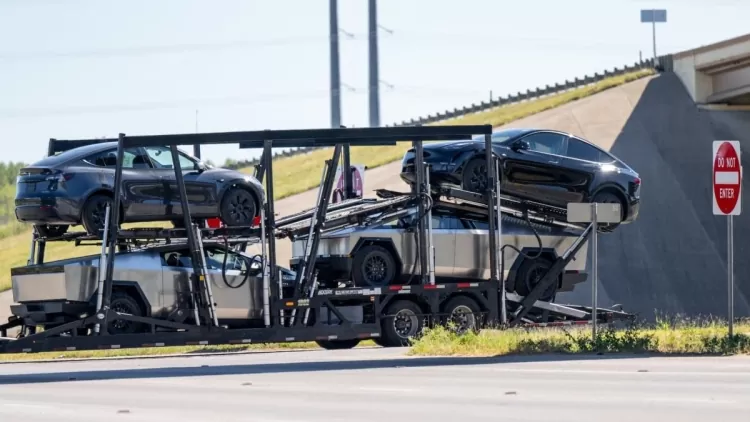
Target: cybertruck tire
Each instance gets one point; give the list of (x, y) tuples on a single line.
[(238, 207), (373, 266), (123, 302), (530, 273)]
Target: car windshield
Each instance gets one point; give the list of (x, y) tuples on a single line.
[(502, 136)]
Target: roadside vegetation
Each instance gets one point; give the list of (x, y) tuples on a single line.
[(676, 337), (292, 174), (167, 351)]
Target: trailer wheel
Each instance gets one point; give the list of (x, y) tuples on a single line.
[(124, 303), (401, 323), (338, 344), (463, 313), (530, 273), (373, 266)]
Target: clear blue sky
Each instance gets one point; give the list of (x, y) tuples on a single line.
[(92, 68)]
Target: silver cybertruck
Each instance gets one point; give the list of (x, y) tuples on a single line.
[(147, 282), (385, 253)]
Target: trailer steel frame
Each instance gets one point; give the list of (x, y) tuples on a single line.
[(282, 321)]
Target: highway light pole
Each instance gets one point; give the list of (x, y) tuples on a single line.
[(333, 33)]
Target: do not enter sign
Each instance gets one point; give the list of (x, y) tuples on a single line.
[(727, 178)]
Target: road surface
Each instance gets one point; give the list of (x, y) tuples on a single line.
[(377, 385)]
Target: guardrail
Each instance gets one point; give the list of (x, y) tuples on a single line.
[(487, 105)]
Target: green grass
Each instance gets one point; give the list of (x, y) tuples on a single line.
[(687, 337), (165, 351)]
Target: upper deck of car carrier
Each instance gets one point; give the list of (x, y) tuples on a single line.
[(335, 318)]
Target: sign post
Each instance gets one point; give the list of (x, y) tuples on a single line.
[(727, 200), (594, 213), (653, 16)]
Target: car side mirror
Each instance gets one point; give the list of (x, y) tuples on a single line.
[(520, 145), (201, 166)]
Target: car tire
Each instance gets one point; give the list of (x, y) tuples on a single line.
[(51, 230), (338, 344), (608, 197), (94, 213), (464, 313), (474, 176), (402, 322), (125, 303), (373, 266), (238, 207), (530, 273)]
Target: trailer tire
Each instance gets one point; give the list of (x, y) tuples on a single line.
[(401, 323), (381, 265), (530, 273), (338, 344), (464, 312), (123, 302)]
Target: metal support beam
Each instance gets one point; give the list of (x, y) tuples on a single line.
[(374, 76)]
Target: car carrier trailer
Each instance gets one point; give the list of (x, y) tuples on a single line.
[(333, 317)]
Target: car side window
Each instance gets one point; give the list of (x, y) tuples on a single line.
[(583, 151), (162, 157), (132, 159), (215, 260), (180, 259), (480, 225), (444, 222), (546, 142)]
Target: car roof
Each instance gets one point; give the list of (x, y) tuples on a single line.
[(74, 154)]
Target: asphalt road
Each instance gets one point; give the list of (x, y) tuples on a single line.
[(376, 385)]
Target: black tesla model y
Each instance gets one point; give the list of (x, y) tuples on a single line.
[(75, 186), (540, 165)]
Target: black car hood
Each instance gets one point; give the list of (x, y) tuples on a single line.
[(457, 145)]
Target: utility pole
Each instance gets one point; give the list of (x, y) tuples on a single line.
[(196, 147), (373, 61), (333, 33)]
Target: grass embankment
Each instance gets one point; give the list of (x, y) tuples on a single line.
[(677, 339), (300, 173)]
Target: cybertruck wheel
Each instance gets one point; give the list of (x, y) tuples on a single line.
[(474, 176), (607, 197), (95, 213), (124, 303), (529, 275), (238, 207), (373, 266), (51, 230)]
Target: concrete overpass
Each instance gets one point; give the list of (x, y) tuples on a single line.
[(718, 73)]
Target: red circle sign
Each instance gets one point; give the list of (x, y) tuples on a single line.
[(727, 177)]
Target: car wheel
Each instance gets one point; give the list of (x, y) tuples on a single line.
[(373, 266), (529, 275), (50, 230), (474, 176), (401, 323), (463, 314), (94, 213), (124, 303), (337, 344), (607, 197), (238, 207)]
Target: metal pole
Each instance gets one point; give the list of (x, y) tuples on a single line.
[(431, 246), (102, 265), (653, 34), (333, 33), (499, 256), (595, 269), (730, 271), (373, 61)]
